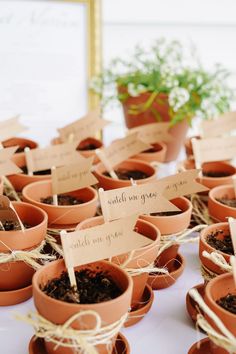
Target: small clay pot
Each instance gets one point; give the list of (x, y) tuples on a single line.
[(60, 214), (188, 145), (188, 164), (191, 305), (14, 297), (108, 183), (21, 143), (201, 347), (171, 225), (220, 166), (17, 275), (19, 181), (158, 155), (217, 288), (217, 210), (204, 246), (142, 257), (59, 312)]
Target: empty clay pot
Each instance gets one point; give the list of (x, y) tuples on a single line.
[(19, 181), (217, 210), (211, 182), (204, 246), (21, 142), (217, 288), (59, 312), (142, 257), (16, 275), (131, 164), (157, 154), (60, 214)]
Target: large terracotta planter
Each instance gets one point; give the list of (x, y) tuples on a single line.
[(204, 246), (62, 215), (21, 180), (157, 155), (171, 225), (142, 257), (59, 312), (160, 105), (217, 210), (216, 289), (16, 275), (131, 164), (21, 142)]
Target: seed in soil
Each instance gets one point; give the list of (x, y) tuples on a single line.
[(93, 287), (12, 225), (63, 199), (125, 175), (229, 202), (87, 147), (37, 173), (166, 213), (216, 174), (220, 241), (228, 303)]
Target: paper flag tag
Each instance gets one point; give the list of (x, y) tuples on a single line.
[(154, 132), (217, 127), (84, 127), (122, 149), (11, 127), (214, 149), (6, 212), (232, 227), (7, 167), (101, 242), (140, 199), (72, 177), (57, 155)]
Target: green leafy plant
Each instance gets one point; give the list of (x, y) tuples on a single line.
[(170, 75)]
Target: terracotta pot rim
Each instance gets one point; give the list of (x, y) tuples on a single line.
[(221, 178), (215, 190), (204, 233), (181, 266), (61, 207), (39, 210), (85, 306), (163, 148), (208, 288), (103, 169)]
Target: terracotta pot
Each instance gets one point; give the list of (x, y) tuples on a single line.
[(216, 289), (21, 180), (16, 275), (219, 166), (131, 164), (191, 305), (59, 312), (171, 225), (188, 145), (1, 186), (160, 105), (85, 153), (158, 154), (217, 210), (204, 246), (142, 257), (60, 214), (21, 142), (201, 347), (188, 164)]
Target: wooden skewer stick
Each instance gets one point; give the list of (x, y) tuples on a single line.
[(106, 163), (70, 270), (28, 161), (54, 196)]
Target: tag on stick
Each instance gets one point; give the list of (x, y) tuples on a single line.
[(232, 228), (11, 127), (8, 167), (72, 177), (217, 127), (154, 132)]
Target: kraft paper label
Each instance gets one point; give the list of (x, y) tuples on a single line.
[(7, 167), (214, 149), (101, 242), (6, 212), (84, 127), (11, 127), (72, 177), (57, 155), (154, 132), (218, 127), (232, 227)]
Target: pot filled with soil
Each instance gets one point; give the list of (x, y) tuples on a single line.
[(216, 173), (21, 180), (220, 296), (21, 142), (155, 154), (72, 208), (222, 203), (102, 287), (17, 274), (170, 223), (141, 257), (140, 171)]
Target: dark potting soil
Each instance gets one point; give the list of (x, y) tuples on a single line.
[(37, 173), (93, 287), (220, 242), (87, 147), (153, 149), (13, 225), (166, 213), (229, 202), (63, 199), (127, 174), (228, 303), (215, 174)]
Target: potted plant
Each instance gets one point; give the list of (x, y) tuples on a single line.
[(160, 84)]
